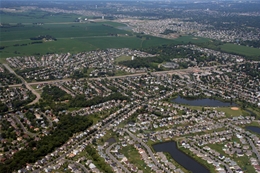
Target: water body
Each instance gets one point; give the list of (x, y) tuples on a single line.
[(203, 102), (111, 140), (253, 129), (184, 160)]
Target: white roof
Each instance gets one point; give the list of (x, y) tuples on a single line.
[(92, 166)]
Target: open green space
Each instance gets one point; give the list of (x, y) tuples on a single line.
[(37, 17), (135, 158), (242, 161), (58, 30), (242, 50), (248, 52), (123, 58), (74, 45), (71, 36), (229, 112)]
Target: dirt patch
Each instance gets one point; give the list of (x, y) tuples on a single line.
[(235, 108)]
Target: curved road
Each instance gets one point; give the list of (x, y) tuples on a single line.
[(24, 129), (38, 96), (78, 164), (114, 159)]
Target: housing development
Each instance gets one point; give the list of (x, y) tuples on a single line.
[(85, 98)]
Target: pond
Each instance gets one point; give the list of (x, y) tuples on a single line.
[(111, 140), (203, 102), (253, 129), (184, 160)]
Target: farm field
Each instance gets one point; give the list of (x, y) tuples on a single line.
[(58, 30), (78, 37), (71, 36), (37, 17), (80, 44)]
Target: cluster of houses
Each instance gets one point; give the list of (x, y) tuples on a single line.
[(166, 130), (89, 88), (7, 78), (235, 35), (25, 124), (158, 27), (178, 26), (219, 56), (59, 66), (228, 83), (9, 96), (164, 120), (79, 141)]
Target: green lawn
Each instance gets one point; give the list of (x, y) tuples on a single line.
[(58, 31), (75, 45), (135, 158), (37, 17), (123, 58), (243, 50), (121, 73), (229, 112), (241, 161)]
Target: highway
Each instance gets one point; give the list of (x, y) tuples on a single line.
[(109, 77)]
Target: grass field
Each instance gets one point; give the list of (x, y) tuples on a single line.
[(135, 158), (123, 58), (58, 30), (229, 112), (78, 44), (241, 161), (243, 50), (37, 17)]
